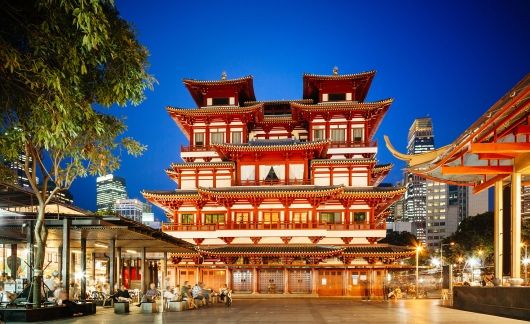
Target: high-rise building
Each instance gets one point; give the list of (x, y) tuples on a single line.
[(283, 183), (109, 188), (130, 208), (18, 169), (63, 196), (420, 140)]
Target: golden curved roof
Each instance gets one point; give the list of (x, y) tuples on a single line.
[(370, 73), (344, 105), (218, 82), (298, 146), (213, 110)]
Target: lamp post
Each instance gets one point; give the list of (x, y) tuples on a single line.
[(418, 250)]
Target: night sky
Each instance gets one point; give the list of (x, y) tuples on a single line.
[(449, 60)]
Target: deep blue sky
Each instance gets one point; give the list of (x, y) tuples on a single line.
[(450, 60)]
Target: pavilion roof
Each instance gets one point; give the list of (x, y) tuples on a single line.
[(361, 81), (243, 85), (485, 152), (378, 249), (279, 191), (343, 161), (282, 145)]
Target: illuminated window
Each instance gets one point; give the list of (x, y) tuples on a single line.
[(214, 218), (217, 137), (359, 217), (299, 217), (242, 217), (330, 218), (338, 135), (358, 135), (186, 219), (271, 217), (318, 134), (199, 139)]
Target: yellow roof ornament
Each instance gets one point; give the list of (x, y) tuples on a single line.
[(414, 160)]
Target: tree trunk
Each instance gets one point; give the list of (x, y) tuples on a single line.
[(40, 240)]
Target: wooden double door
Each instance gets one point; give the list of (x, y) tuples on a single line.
[(271, 281), (330, 282), (213, 278), (187, 275), (300, 281), (242, 280)]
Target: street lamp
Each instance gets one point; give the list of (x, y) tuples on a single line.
[(418, 250), (472, 263)]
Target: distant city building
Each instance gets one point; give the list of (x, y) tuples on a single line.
[(18, 168), (109, 189), (130, 208), (148, 218), (525, 202), (420, 140)]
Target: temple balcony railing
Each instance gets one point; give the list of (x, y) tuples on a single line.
[(283, 182), (346, 144), (268, 226), (195, 148)]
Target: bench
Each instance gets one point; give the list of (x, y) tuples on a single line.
[(148, 308), (175, 306), (121, 307)]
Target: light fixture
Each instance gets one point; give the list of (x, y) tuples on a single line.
[(131, 251), (101, 245)]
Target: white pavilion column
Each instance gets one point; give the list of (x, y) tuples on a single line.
[(497, 229), (516, 225)]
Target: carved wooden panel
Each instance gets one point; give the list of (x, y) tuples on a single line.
[(271, 281), (242, 280), (300, 281)]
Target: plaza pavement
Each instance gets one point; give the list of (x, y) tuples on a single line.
[(299, 310)]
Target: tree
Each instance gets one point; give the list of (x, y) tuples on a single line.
[(62, 62), (401, 239)]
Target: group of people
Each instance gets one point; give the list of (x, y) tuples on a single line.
[(193, 295)]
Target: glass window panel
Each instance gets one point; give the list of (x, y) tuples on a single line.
[(217, 137), (236, 137), (338, 135), (199, 139), (318, 134)]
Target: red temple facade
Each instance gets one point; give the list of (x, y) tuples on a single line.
[(281, 196)]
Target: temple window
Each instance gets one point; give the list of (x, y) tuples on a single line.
[(199, 139), (338, 135), (271, 217), (242, 217), (358, 135), (217, 137), (336, 96), (300, 217), (186, 219), (236, 137), (359, 217), (330, 218), (220, 101), (216, 218), (318, 134)]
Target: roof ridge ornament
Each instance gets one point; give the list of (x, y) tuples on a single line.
[(223, 75), (335, 70)]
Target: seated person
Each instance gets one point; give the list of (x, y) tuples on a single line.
[(122, 295), (150, 295), (196, 292), (205, 292), (223, 292), (186, 295), (5, 296), (169, 295)]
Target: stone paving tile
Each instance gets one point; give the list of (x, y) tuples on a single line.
[(299, 310)]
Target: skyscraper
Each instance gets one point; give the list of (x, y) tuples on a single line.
[(130, 208), (109, 188), (420, 139), (18, 168)]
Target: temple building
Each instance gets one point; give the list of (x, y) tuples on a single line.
[(282, 196)]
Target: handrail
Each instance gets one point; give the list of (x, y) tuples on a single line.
[(286, 182), (265, 226)]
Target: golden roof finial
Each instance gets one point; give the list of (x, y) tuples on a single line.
[(335, 70), (223, 75)]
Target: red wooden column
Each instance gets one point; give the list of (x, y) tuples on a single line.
[(198, 217), (346, 203), (175, 217), (315, 202), (286, 202), (327, 127), (207, 133), (255, 202), (228, 121), (348, 131), (372, 205)]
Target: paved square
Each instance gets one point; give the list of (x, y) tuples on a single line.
[(296, 310)]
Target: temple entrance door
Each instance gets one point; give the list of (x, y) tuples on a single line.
[(213, 278), (300, 281), (271, 220), (358, 283), (242, 281), (271, 281), (186, 275), (377, 283), (330, 282)]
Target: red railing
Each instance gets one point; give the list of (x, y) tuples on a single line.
[(193, 148), (284, 182), (264, 226), (336, 144)]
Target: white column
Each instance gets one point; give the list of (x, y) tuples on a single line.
[(516, 225), (497, 229)]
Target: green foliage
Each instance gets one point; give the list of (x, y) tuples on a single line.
[(400, 239), (59, 61), (475, 234)]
